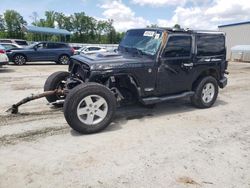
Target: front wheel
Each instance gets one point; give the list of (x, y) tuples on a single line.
[(56, 81), (206, 92), (89, 108)]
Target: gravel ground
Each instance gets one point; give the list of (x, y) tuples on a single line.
[(172, 145)]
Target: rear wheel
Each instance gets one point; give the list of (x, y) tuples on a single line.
[(206, 92), (56, 81), (63, 60), (19, 59), (89, 108)]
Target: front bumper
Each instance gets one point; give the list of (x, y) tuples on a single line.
[(223, 82)]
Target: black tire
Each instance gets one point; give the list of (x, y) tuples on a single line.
[(63, 59), (54, 81), (199, 99), (74, 100), (19, 59)]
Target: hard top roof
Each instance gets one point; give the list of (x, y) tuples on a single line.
[(176, 30)]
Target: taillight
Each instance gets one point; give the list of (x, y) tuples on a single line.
[(73, 50), (2, 51)]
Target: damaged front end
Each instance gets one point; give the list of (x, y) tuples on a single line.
[(79, 73)]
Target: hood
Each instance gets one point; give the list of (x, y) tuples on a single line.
[(108, 60)]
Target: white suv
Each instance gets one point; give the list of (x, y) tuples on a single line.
[(3, 57), (91, 50)]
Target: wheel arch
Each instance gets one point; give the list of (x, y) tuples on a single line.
[(208, 72), (103, 78)]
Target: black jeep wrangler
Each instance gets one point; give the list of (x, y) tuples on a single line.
[(151, 66)]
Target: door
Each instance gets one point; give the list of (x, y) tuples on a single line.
[(176, 65), (42, 53)]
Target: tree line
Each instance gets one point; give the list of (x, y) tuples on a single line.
[(84, 28)]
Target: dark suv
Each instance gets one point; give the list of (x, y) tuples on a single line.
[(151, 66), (41, 51)]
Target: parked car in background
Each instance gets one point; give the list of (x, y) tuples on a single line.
[(20, 42), (76, 47), (9, 46), (3, 57), (91, 50), (42, 51)]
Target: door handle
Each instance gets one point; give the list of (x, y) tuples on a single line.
[(187, 64)]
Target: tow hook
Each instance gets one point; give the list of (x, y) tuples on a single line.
[(14, 107)]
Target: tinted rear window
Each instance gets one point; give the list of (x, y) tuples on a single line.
[(57, 45), (210, 45)]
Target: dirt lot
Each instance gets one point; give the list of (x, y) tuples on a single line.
[(172, 145)]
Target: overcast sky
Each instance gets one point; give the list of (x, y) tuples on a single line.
[(196, 14)]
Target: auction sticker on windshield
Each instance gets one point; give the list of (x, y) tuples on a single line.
[(157, 36), (149, 33)]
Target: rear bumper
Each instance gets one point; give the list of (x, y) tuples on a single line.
[(223, 82), (4, 63), (10, 56)]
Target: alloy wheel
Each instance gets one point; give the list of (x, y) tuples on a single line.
[(64, 60), (20, 60), (92, 109), (208, 92)]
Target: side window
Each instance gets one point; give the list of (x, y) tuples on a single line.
[(210, 45), (91, 48), (62, 46), (50, 45), (178, 46), (9, 46), (41, 46), (55, 45), (96, 48)]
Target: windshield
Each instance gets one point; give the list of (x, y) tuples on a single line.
[(141, 40), (82, 48)]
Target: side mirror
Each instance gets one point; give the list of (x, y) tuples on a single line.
[(35, 48)]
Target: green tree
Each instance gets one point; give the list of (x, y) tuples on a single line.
[(111, 32), (50, 18), (2, 27), (41, 23), (34, 16), (85, 28), (13, 23), (177, 26), (100, 27), (1, 23)]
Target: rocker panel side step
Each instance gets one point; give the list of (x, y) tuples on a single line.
[(153, 100)]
